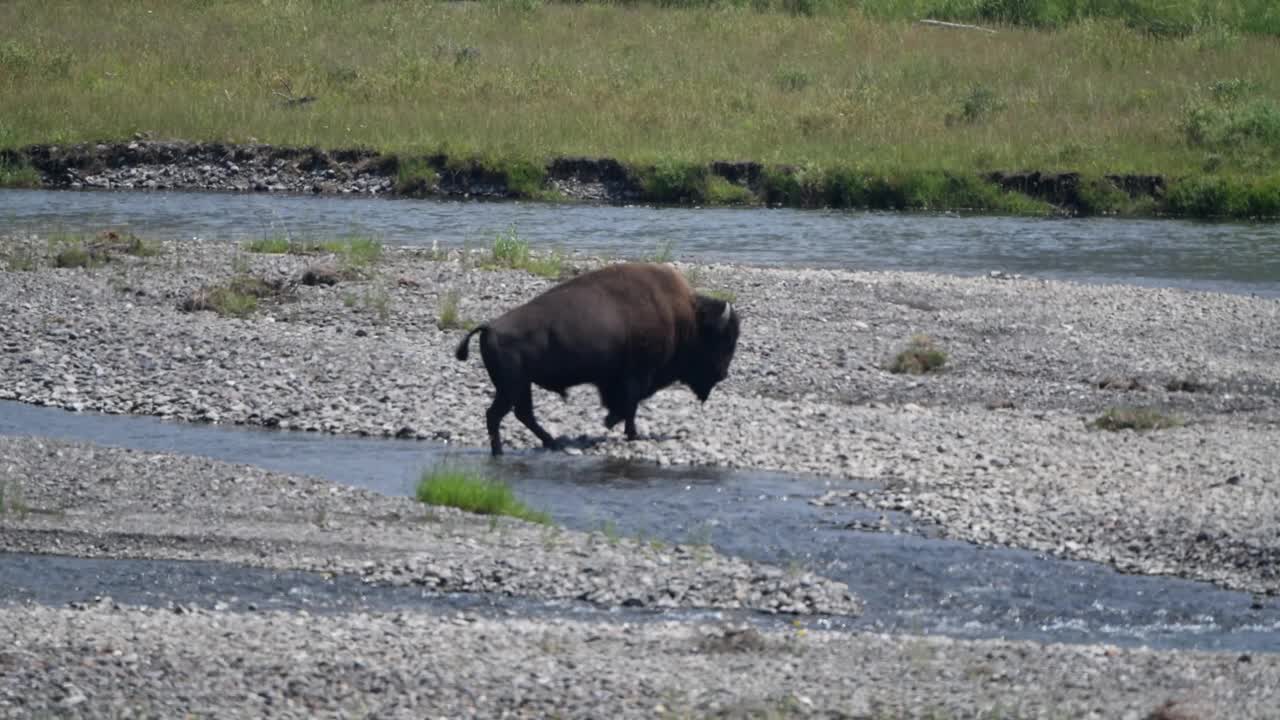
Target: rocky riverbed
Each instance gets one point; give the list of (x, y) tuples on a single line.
[(994, 449), (107, 661)]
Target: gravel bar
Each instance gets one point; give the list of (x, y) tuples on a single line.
[(105, 661), (995, 449)]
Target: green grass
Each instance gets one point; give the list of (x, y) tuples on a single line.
[(919, 357), (846, 102), (21, 258), (355, 254), (725, 295), (238, 297), (11, 499), (510, 251), (472, 491), (448, 318), (1126, 418), (18, 175)]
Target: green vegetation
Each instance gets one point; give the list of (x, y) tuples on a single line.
[(238, 297), (11, 499), (510, 251), (919, 357), (848, 103), (18, 175), (79, 251), (373, 300), (21, 258), (355, 254), (725, 295), (1135, 419), (449, 318), (472, 491)]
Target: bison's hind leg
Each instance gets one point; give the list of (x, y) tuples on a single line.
[(524, 413)]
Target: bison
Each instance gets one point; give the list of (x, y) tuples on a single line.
[(630, 329)]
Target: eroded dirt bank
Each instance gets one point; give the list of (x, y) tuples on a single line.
[(146, 164)]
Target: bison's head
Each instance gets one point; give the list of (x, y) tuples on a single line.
[(717, 341)]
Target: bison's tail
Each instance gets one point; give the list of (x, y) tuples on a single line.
[(464, 346)]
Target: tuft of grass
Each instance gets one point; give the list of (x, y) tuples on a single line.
[(920, 356), (722, 192), (415, 177), (510, 251), (76, 255), (449, 318), (18, 175), (374, 300), (11, 499), (277, 245), (22, 258), (474, 492), (664, 253), (1128, 418)]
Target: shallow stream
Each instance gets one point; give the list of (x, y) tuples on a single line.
[(910, 582)]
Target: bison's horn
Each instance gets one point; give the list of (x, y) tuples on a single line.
[(724, 317)]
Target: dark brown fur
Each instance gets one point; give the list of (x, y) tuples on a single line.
[(629, 329)]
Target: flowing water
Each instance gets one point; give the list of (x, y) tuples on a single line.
[(1225, 257), (910, 583)]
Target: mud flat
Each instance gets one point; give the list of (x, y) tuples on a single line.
[(994, 449)]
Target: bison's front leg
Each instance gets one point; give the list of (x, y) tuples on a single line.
[(524, 413)]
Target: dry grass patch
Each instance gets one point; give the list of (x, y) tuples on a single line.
[(920, 356)]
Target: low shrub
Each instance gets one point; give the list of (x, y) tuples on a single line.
[(472, 491)]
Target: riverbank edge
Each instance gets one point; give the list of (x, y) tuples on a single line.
[(148, 164)]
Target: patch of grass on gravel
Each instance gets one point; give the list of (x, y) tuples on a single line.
[(356, 250), (11, 500), (474, 492), (238, 297), (449, 318), (920, 356), (271, 245), (76, 251), (21, 258), (1127, 418), (510, 251)]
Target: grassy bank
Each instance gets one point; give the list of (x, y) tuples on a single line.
[(860, 93)]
